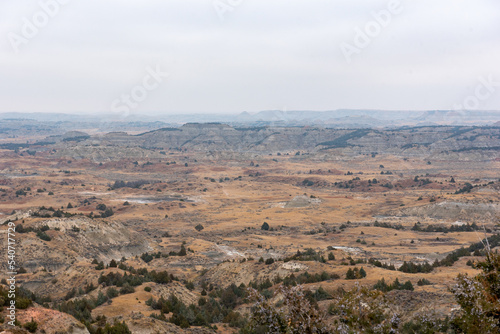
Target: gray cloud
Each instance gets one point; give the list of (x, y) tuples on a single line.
[(263, 55)]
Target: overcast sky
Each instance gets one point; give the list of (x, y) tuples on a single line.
[(229, 56)]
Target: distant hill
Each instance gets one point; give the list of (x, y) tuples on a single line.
[(441, 142), (340, 118)]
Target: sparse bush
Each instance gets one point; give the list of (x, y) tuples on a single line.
[(479, 298), (297, 315), (351, 318)]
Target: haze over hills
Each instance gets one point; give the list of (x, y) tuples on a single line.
[(341, 118)]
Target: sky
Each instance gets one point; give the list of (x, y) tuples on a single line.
[(230, 56)]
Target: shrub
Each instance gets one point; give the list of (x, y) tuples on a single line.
[(44, 236), (182, 252), (126, 289), (101, 207), (107, 213), (112, 293), (423, 281), (31, 326)]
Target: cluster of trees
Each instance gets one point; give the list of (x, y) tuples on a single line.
[(355, 273), (396, 285), (465, 189), (454, 228), (116, 328), (146, 257), (422, 182), (451, 258), (306, 278), (423, 281), (23, 298), (42, 213), (137, 278), (308, 254), (40, 232), (357, 182), (105, 211), (307, 183), (81, 291), (387, 225), (448, 261), (21, 192), (129, 184), (125, 282), (345, 185), (379, 264), (216, 307), (414, 268)]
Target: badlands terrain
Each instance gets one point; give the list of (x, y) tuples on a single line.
[(162, 231)]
